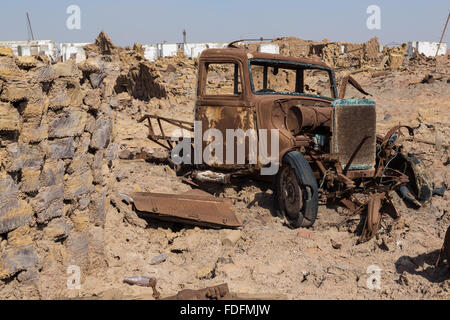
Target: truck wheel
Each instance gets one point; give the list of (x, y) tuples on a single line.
[(297, 191)]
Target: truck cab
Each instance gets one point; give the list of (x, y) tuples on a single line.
[(238, 89)]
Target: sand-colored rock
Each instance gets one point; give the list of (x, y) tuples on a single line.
[(5, 51), (9, 117)]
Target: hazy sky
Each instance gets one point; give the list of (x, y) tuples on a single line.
[(151, 21)]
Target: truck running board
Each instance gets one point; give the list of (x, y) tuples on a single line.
[(192, 207)]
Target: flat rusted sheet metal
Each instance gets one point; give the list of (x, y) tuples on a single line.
[(193, 207), (220, 292)]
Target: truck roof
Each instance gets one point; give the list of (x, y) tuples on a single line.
[(245, 54)]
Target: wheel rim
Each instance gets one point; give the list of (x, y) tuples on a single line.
[(291, 193)]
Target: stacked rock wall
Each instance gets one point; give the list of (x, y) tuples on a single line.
[(56, 132)]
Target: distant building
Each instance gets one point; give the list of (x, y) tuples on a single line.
[(47, 47), (427, 48)]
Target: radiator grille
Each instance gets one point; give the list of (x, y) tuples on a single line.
[(353, 120)]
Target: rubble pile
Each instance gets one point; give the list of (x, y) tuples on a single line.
[(336, 54), (135, 74)]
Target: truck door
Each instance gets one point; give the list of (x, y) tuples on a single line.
[(222, 106)]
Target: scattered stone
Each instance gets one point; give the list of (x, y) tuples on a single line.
[(97, 207), (440, 191), (30, 179), (335, 245), (9, 117), (58, 229), (13, 214), (65, 92), (34, 130), (65, 69), (170, 68), (15, 260), (77, 246), (102, 133), (78, 184), (204, 273), (84, 201), (403, 280), (21, 236), (225, 260), (60, 148), (126, 155), (48, 203), (24, 155), (231, 237), (26, 62), (159, 258), (305, 234), (69, 124), (93, 99), (52, 173), (5, 51), (29, 275)]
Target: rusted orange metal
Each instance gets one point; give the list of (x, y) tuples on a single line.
[(219, 292), (194, 207), (336, 136), (373, 217), (186, 125), (354, 83)]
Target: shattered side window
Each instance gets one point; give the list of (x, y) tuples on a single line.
[(317, 82), (223, 79)]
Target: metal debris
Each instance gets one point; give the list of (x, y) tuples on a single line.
[(373, 217), (219, 292), (144, 282), (194, 207), (328, 143)]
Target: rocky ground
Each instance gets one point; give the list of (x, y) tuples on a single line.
[(269, 257)]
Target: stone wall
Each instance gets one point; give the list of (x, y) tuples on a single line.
[(56, 133)]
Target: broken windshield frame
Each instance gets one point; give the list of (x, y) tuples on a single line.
[(292, 66)]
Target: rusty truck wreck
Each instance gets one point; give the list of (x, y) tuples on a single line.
[(328, 146)]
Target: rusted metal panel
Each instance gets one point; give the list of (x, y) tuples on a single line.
[(219, 292), (354, 126), (193, 207), (336, 136), (223, 118)]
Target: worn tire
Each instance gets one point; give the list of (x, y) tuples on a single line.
[(297, 197)]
